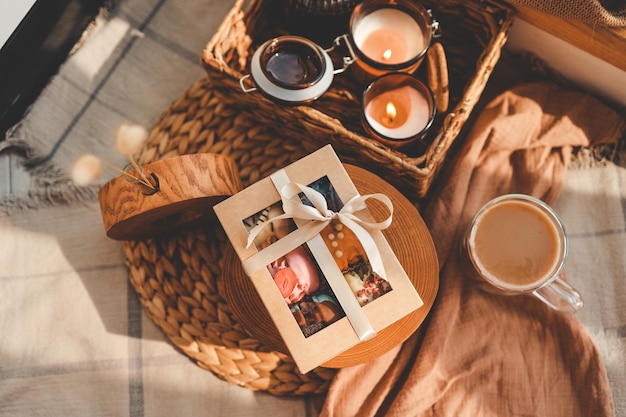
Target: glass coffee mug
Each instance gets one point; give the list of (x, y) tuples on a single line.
[(518, 245)]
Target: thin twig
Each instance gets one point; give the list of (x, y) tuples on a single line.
[(140, 171), (127, 174)]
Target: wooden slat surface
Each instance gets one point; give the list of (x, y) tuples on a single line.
[(608, 44)]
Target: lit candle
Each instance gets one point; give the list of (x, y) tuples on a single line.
[(389, 36), (398, 108)]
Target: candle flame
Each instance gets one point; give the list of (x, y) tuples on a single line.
[(387, 54), (391, 112)]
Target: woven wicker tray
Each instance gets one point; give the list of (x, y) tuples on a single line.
[(180, 279), (473, 33)]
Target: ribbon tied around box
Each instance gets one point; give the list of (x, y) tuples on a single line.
[(310, 221)]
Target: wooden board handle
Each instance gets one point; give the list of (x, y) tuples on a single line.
[(187, 188)]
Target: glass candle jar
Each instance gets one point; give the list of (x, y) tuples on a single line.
[(398, 109), (389, 35)]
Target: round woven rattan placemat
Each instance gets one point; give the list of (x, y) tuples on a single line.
[(178, 278)]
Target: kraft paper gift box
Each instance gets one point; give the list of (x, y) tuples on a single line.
[(317, 258)]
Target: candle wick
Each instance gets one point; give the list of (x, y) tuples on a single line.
[(387, 54)]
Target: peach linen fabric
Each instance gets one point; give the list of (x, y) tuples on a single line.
[(481, 354)]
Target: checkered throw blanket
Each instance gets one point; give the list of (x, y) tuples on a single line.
[(75, 339)]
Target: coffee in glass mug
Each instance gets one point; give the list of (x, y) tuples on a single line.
[(518, 244)]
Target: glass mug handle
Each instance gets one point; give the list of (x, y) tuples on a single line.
[(560, 295)]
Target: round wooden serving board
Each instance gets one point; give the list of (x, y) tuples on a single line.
[(411, 241)]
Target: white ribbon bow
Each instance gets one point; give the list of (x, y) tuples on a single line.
[(319, 216)]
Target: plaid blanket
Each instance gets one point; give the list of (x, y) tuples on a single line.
[(75, 340)]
